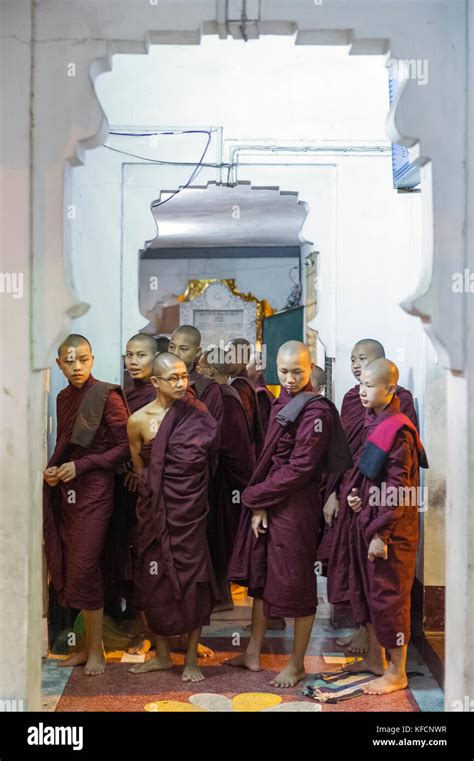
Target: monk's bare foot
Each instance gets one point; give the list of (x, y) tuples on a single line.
[(192, 673), (95, 664), (154, 664), (140, 647), (357, 642), (360, 642), (250, 662), (346, 641), (202, 650), (367, 664), (274, 624), (220, 607), (389, 682), (76, 659), (290, 676)]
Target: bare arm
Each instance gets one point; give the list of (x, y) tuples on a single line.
[(135, 442)]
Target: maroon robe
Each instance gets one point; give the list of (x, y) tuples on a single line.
[(335, 542), (172, 509), (119, 563), (279, 565), (235, 467), (139, 394), (381, 589), (265, 400), (92, 432), (246, 390), (207, 391)]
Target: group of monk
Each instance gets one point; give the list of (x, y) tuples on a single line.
[(195, 477)]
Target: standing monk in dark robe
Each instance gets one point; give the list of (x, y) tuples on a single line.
[(119, 558), (334, 547), (174, 443), (235, 467), (275, 550), (265, 398), (140, 352), (384, 535), (79, 492), (238, 353), (186, 344)]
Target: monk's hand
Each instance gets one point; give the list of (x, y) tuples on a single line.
[(331, 508), (131, 481), (50, 475), (259, 522), (354, 501), (67, 472), (377, 548)]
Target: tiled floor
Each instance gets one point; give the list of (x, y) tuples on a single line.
[(118, 690)]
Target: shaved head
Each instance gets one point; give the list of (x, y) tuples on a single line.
[(371, 345), (318, 377), (189, 332), (75, 359), (73, 341), (295, 348), (294, 365), (256, 364), (167, 362), (217, 358), (363, 352), (139, 354), (162, 343), (147, 340), (382, 371), (239, 342), (378, 383), (170, 378), (186, 343), (238, 352)]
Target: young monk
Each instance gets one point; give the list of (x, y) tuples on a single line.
[(79, 492), (174, 443), (118, 555), (140, 352), (275, 549), (264, 395), (234, 470), (334, 548), (238, 352), (185, 342), (384, 538)]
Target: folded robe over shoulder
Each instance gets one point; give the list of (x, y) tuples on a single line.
[(381, 589), (174, 563), (208, 392), (246, 390), (334, 547), (279, 565), (92, 432)]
